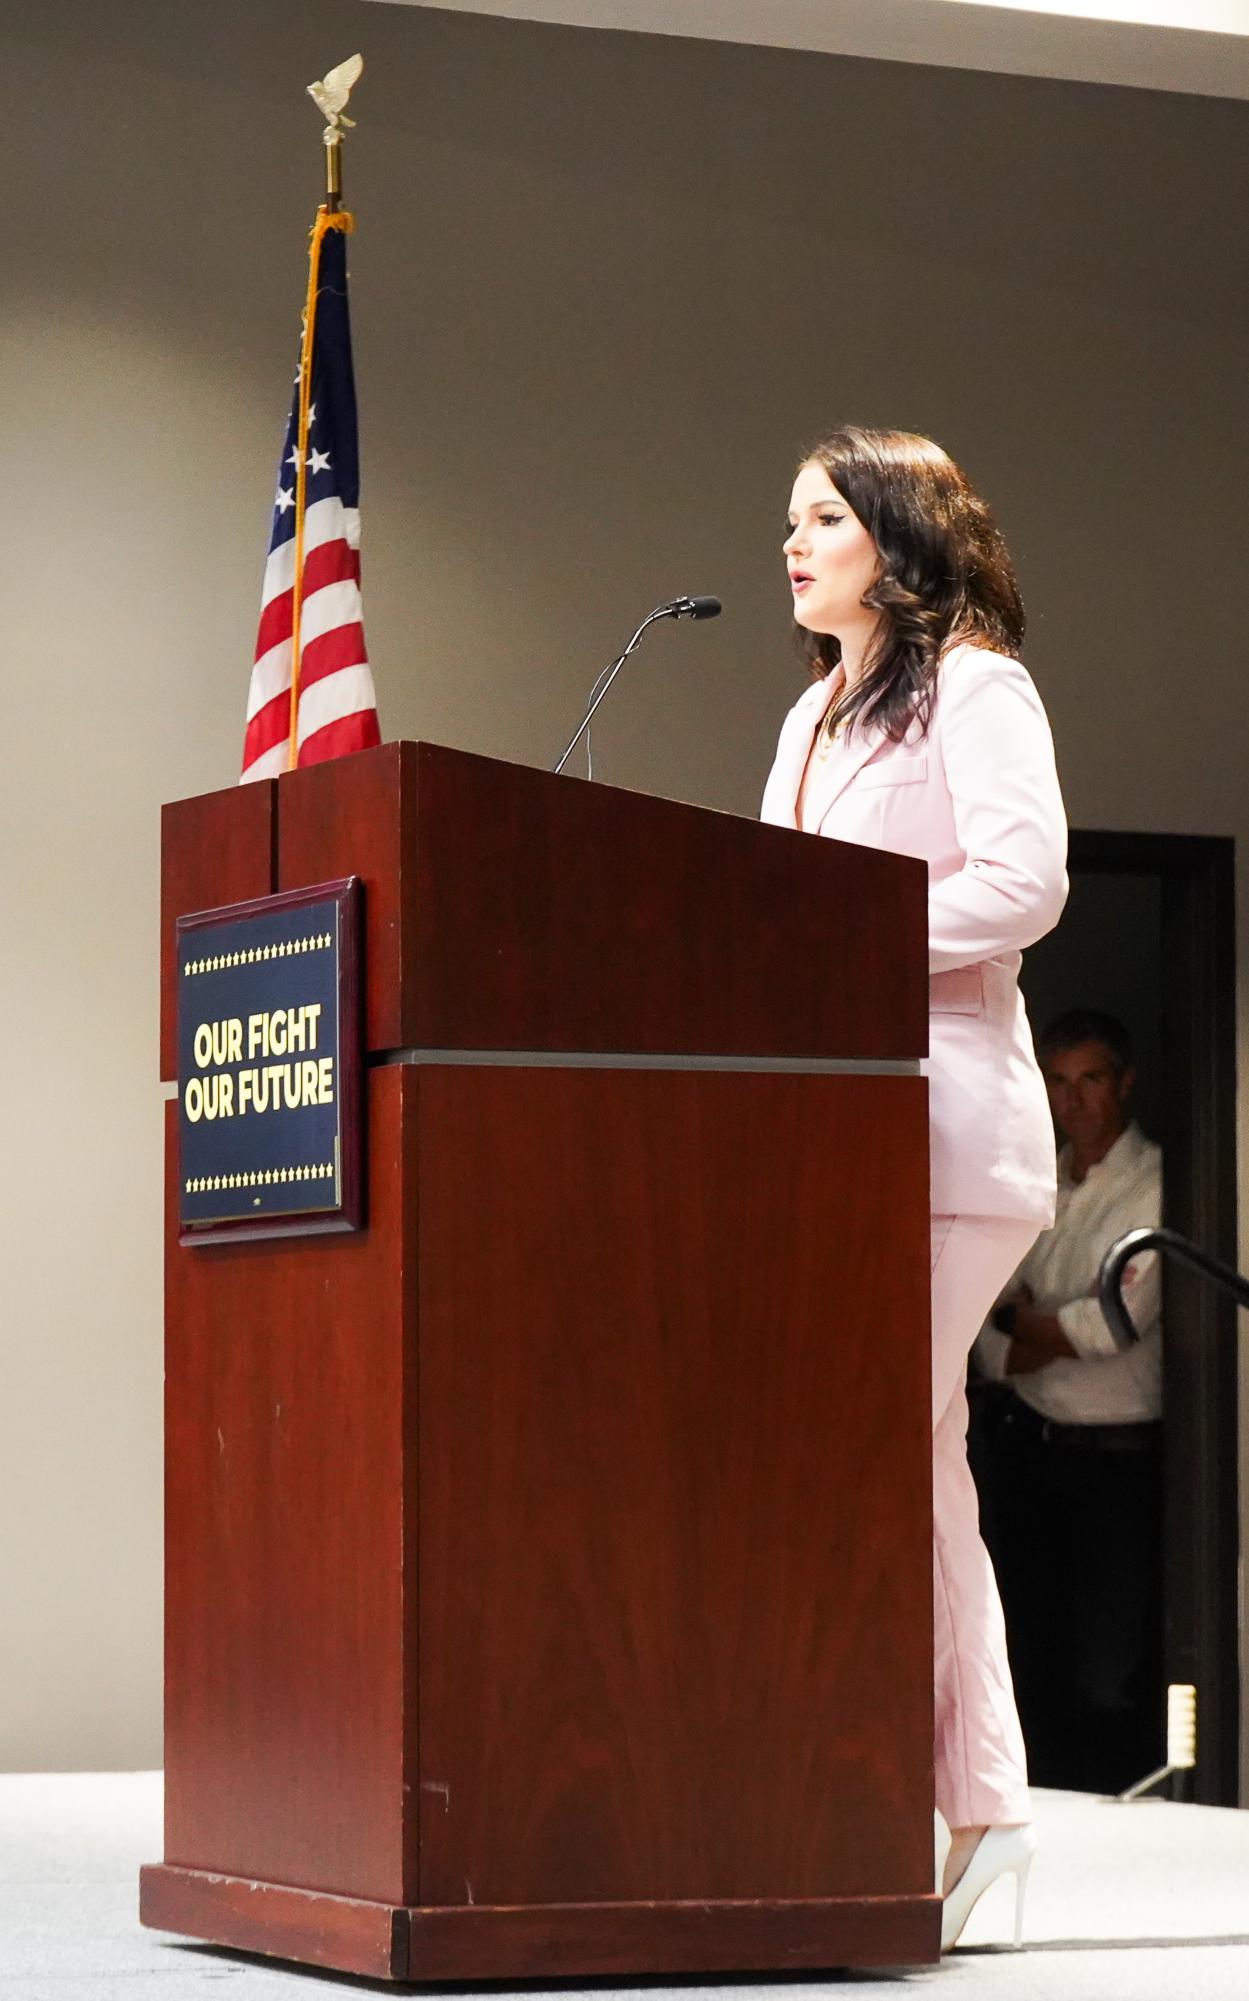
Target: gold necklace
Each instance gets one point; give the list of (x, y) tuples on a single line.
[(828, 732)]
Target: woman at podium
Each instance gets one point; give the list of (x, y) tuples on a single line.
[(922, 733)]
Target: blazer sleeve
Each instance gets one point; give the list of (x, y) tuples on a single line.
[(1008, 815)]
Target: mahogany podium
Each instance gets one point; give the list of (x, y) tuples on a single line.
[(549, 1573)]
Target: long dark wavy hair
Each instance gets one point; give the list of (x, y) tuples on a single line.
[(945, 574)]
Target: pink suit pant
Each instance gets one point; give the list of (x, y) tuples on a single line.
[(981, 1770)]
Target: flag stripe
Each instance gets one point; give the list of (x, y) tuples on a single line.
[(269, 726), (325, 521), (339, 694), (331, 563), (270, 764), (344, 647), (336, 642), (334, 605), (270, 676), (337, 739)]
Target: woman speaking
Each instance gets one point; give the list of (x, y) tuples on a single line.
[(923, 734)]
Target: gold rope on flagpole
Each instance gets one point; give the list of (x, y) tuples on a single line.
[(330, 96), (339, 220)]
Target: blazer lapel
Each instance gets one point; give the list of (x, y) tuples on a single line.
[(850, 759), (780, 796)]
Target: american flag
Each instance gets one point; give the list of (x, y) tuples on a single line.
[(337, 708)]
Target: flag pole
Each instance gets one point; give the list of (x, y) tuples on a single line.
[(330, 96), (333, 172)]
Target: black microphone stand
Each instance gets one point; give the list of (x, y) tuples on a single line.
[(660, 611)]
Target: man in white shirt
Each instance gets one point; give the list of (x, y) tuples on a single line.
[(1067, 1438)]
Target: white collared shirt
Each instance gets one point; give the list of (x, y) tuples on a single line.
[(1101, 1383)]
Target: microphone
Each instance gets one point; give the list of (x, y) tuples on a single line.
[(694, 608), (687, 607)]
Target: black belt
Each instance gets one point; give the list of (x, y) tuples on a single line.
[(1143, 1437)]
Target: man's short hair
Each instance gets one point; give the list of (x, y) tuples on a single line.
[(1087, 1024)]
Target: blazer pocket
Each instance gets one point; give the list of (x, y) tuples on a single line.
[(958, 992), (896, 770)]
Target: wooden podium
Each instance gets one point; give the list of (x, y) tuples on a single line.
[(549, 1580)]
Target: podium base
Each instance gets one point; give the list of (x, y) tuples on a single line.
[(540, 1941)]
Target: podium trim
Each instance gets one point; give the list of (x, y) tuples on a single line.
[(539, 1941), (553, 1059)]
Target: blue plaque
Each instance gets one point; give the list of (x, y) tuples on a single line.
[(269, 1065)]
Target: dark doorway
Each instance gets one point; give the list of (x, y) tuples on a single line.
[(1149, 937)]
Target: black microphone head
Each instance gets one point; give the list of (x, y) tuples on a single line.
[(696, 607)]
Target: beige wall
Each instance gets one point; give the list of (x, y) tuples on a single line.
[(604, 287)]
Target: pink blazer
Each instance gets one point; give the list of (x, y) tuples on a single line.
[(978, 800)]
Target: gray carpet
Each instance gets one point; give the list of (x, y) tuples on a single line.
[(1144, 1902)]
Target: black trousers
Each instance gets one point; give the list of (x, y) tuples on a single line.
[(1072, 1517)]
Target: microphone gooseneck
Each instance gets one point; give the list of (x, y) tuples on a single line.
[(684, 607)]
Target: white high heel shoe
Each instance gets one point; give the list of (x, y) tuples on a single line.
[(940, 1847), (1000, 1851)]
